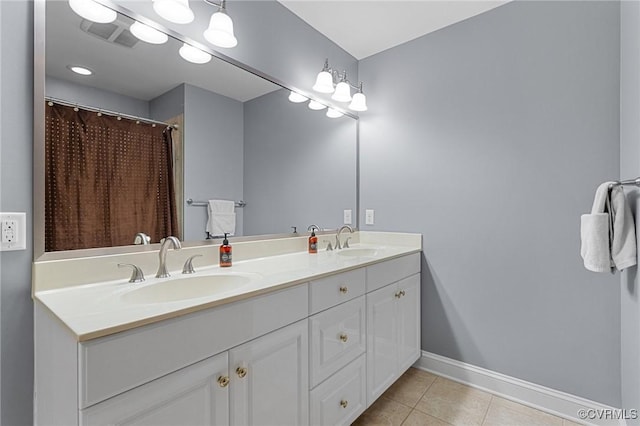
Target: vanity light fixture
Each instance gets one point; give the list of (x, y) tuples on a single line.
[(220, 31), (93, 11), (297, 98), (331, 81), (148, 34), (193, 54), (316, 106), (176, 11), (80, 70), (334, 113)]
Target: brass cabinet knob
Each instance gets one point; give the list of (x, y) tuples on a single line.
[(402, 293), (343, 289), (223, 381), (344, 403), (398, 295), (241, 372), (344, 337)]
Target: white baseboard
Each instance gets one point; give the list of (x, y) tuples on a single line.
[(542, 398)]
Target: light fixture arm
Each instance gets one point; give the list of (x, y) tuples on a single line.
[(222, 4)]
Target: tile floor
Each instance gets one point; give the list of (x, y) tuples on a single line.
[(420, 398)]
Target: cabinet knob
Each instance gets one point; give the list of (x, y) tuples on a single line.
[(402, 293), (241, 372), (398, 295), (344, 403), (343, 289), (223, 381), (344, 337)]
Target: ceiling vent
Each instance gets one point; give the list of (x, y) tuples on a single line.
[(116, 32)]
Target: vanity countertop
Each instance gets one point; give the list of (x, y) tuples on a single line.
[(99, 309)]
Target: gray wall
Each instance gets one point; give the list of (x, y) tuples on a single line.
[(292, 153), (490, 137), (168, 105), (91, 96), (630, 168), (213, 155), (16, 136)]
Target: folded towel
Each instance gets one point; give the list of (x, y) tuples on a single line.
[(222, 218), (608, 232)]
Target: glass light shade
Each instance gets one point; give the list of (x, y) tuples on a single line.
[(148, 34), (80, 70), (342, 93), (316, 105), (220, 31), (359, 102), (193, 54), (324, 82), (93, 11), (177, 11), (297, 97), (332, 113)]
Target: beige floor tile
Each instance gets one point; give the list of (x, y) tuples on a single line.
[(410, 387), (455, 403), (417, 418), (566, 422), (384, 412), (503, 412)]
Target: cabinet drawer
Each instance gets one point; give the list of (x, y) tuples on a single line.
[(330, 291), (114, 364), (337, 338), (393, 270), (341, 399)]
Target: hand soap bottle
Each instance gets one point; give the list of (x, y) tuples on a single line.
[(313, 240), (225, 253)]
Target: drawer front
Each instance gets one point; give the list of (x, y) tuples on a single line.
[(393, 270), (341, 399), (330, 291), (337, 338), (117, 363)]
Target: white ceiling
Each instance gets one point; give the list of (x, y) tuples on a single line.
[(366, 27)]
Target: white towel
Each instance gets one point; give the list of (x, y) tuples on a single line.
[(608, 232), (222, 218)]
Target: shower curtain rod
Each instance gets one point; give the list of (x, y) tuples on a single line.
[(108, 112)]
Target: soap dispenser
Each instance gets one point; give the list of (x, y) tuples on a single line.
[(225, 252), (313, 240)]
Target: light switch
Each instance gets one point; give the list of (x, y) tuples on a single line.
[(347, 217), (368, 217), (13, 231)]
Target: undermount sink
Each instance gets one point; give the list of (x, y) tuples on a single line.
[(173, 290), (358, 252)]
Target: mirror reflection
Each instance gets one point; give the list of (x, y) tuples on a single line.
[(237, 139)]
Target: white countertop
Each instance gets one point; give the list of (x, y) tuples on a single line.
[(100, 309)]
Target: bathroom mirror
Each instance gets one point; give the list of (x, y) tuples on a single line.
[(242, 139)]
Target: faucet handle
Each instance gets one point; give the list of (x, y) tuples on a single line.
[(329, 248), (188, 265), (137, 276)]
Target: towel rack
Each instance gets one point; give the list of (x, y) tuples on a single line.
[(635, 182), (206, 203)]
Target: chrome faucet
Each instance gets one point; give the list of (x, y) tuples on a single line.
[(342, 228), (141, 238), (164, 247)]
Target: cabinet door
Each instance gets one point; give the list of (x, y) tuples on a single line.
[(195, 395), (270, 379), (381, 341), (408, 315)]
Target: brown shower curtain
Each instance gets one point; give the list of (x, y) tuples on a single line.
[(106, 180)]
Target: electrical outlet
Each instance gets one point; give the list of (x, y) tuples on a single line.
[(347, 217), (13, 231), (368, 217)]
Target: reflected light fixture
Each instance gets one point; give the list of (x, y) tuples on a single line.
[(297, 97), (316, 106), (334, 113), (93, 11), (176, 11), (220, 30), (324, 80), (148, 34), (80, 70), (359, 101), (193, 54)]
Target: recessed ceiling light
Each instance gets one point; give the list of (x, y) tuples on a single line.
[(80, 70)]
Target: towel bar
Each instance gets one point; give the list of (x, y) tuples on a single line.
[(635, 182), (206, 203)]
